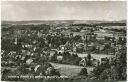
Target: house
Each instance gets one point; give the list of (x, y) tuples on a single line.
[(100, 37), (52, 52), (36, 68), (74, 49), (29, 61), (82, 62), (16, 41), (112, 45), (59, 58), (101, 47), (62, 47), (95, 62)]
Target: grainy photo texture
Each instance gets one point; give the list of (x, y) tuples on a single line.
[(63, 41)]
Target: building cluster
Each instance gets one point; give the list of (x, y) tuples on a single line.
[(78, 45)]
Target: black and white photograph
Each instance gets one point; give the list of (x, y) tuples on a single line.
[(64, 41)]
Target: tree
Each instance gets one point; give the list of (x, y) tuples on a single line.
[(89, 59), (83, 72), (116, 70), (110, 74), (54, 57)]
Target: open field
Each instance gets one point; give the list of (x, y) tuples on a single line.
[(70, 70)]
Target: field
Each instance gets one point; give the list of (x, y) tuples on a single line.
[(70, 70)]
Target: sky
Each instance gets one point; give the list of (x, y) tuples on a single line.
[(63, 10)]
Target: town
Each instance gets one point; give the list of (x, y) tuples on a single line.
[(62, 48)]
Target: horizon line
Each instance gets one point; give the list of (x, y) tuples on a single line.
[(66, 20)]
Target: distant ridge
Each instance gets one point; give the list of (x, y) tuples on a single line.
[(54, 22)]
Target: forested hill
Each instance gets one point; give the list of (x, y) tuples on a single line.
[(100, 24)]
